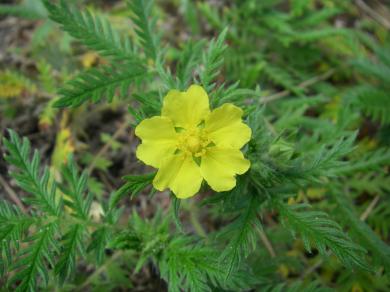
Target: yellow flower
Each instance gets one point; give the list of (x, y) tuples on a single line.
[(188, 143)]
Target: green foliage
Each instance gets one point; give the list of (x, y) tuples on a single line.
[(298, 286), (310, 145), (31, 260), (372, 183), (28, 177), (193, 267), (242, 235), (373, 98), (281, 77), (189, 59), (372, 160), (373, 101), (29, 9), (145, 25), (134, 185), (374, 70), (96, 84), (99, 241), (213, 60), (13, 224), (368, 238), (41, 245), (316, 228), (183, 261), (325, 159), (74, 188), (73, 243), (94, 31)]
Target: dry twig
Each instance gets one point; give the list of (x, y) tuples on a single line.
[(304, 84), (13, 196)]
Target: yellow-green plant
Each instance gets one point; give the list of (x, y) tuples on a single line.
[(254, 165)]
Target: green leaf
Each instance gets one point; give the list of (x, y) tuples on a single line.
[(189, 59), (72, 245), (145, 25), (282, 77), (368, 238), (241, 235), (94, 31), (28, 177), (372, 160), (134, 185), (74, 187), (377, 70), (213, 61), (324, 161), (195, 267), (374, 102), (33, 259), (96, 84), (100, 239), (13, 225), (317, 229)]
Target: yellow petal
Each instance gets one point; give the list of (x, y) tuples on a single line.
[(179, 173), (225, 127), (186, 109), (159, 140), (220, 165)]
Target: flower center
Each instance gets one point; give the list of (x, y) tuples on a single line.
[(193, 142)]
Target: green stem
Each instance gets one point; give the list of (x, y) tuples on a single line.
[(193, 209)]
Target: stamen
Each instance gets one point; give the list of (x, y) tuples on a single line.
[(193, 142)]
